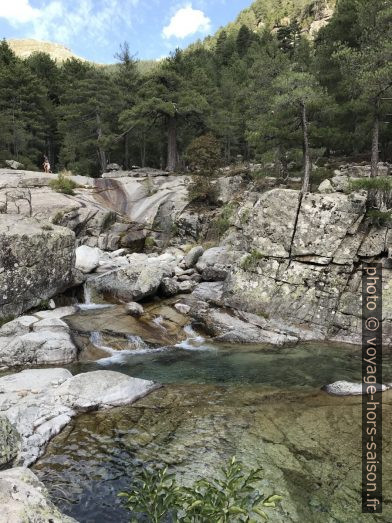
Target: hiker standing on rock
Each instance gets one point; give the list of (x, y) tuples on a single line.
[(46, 165)]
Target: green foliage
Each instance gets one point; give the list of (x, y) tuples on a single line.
[(230, 497), (63, 185), (380, 183), (202, 189), (251, 261), (379, 218), (241, 92), (204, 154)]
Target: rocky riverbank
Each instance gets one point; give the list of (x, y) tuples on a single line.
[(278, 273)]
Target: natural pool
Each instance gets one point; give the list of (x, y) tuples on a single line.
[(262, 404)]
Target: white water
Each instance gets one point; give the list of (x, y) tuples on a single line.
[(194, 341), (88, 305)]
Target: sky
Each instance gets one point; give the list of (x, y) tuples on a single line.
[(94, 29)]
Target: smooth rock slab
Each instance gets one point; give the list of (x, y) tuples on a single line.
[(24, 498), (41, 402)]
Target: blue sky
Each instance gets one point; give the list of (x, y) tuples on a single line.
[(94, 29)]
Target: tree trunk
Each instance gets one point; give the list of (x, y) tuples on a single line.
[(101, 152), (126, 151), (375, 143), (304, 118), (172, 145)]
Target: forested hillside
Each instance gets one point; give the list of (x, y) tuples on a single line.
[(262, 93)]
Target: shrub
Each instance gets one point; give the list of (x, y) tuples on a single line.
[(379, 191), (202, 189), (379, 218), (250, 262), (204, 154), (230, 497), (63, 185)]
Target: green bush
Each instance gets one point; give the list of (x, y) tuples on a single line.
[(202, 189), (251, 261), (63, 185), (379, 183), (204, 154), (379, 218), (230, 497)]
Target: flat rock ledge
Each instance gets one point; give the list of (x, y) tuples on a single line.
[(347, 388), (24, 498), (39, 403)]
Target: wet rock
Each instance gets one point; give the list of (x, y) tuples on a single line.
[(87, 259), (102, 389), (193, 256), (346, 388), (24, 498), (228, 328), (134, 309), (39, 403)]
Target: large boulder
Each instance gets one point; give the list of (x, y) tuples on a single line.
[(87, 258), (133, 283), (24, 498), (41, 402), (36, 262), (13, 164), (31, 340)]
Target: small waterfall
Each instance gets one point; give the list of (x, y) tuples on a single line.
[(193, 341), (87, 296), (97, 340), (136, 343)]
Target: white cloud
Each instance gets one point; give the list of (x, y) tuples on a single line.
[(18, 11), (187, 21), (64, 22)]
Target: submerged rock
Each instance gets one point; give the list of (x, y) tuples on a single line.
[(39, 403), (24, 498), (346, 388)]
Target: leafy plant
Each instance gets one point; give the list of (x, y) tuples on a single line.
[(230, 497), (153, 494), (63, 185)]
